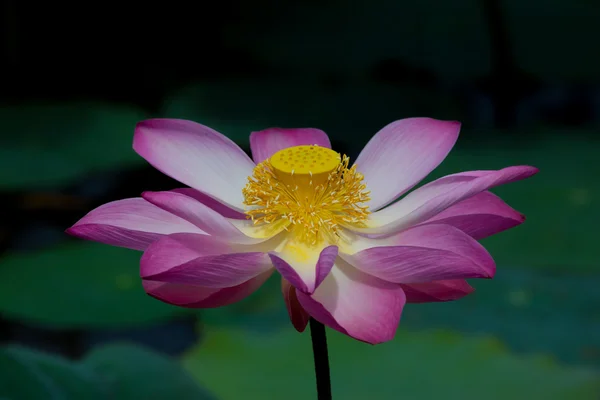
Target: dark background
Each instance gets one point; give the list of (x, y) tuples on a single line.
[(522, 76)]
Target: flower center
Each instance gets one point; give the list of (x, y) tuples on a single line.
[(312, 189)]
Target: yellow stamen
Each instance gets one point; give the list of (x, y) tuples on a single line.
[(312, 188)]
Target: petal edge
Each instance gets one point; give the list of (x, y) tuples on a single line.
[(267, 142), (195, 155), (356, 304), (413, 146), (131, 223)]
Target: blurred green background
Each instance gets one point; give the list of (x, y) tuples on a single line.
[(523, 77)]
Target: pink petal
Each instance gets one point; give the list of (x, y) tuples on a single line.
[(234, 294), (423, 254), (177, 249), (201, 260), (269, 141), (192, 296), (304, 269), (209, 220), (480, 216), (298, 316), (177, 294), (356, 304), (131, 223), (401, 154), (205, 199), (435, 197), (195, 155), (446, 290)]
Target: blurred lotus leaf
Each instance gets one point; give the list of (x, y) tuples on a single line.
[(529, 310), (416, 365), (137, 373), (78, 285), (53, 144), (28, 374), (118, 372)]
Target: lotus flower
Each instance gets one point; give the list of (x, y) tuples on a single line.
[(349, 254)]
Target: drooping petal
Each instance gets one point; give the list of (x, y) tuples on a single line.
[(196, 155), (201, 260), (177, 249), (131, 223), (177, 294), (437, 291), (305, 267), (205, 199), (401, 154), (234, 294), (356, 304), (435, 197), (192, 296), (210, 221), (269, 141), (422, 254), (480, 216), (298, 316)]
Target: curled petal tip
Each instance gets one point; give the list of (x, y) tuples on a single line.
[(531, 170), (78, 232), (457, 124), (147, 195), (522, 217), (490, 273)]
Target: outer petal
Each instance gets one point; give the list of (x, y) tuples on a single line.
[(356, 304), (304, 267), (402, 153), (195, 155), (445, 290), (298, 316), (480, 216), (423, 254), (205, 199), (269, 141), (435, 197), (192, 296), (131, 223), (201, 260), (210, 221)]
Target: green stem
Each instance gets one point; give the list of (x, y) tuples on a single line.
[(319, 345)]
